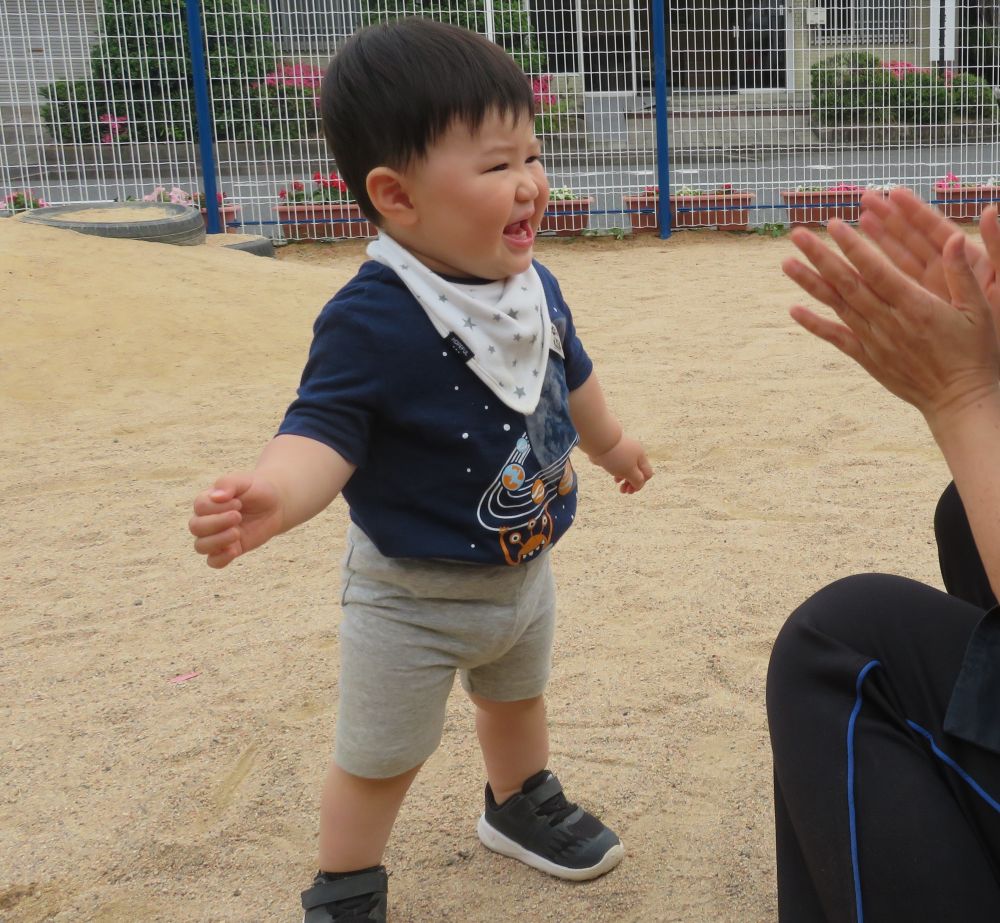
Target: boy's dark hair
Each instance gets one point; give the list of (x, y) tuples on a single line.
[(395, 88)]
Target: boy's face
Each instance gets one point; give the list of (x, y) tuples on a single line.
[(478, 198)]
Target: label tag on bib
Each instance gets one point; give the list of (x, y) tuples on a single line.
[(556, 345)]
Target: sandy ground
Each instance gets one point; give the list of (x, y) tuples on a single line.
[(131, 374)]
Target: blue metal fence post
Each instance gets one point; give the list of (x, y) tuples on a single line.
[(203, 112), (662, 115)]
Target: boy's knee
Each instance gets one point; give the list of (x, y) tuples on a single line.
[(496, 707)]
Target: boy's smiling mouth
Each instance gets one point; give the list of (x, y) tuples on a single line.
[(520, 233)]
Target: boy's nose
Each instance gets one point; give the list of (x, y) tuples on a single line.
[(528, 188)]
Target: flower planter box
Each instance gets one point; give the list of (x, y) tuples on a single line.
[(566, 217), (227, 214), (323, 220), (818, 207), (950, 202), (638, 207), (725, 212)]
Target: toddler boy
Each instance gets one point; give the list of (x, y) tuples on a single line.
[(443, 395)]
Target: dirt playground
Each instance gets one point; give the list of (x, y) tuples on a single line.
[(166, 726)]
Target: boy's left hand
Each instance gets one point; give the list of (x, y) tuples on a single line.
[(627, 464)]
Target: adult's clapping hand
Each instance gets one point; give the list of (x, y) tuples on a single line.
[(924, 330), (913, 234)]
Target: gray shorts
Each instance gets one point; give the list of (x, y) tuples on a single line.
[(408, 625)]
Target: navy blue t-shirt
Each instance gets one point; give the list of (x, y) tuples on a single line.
[(444, 468)]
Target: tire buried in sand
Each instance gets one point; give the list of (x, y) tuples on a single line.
[(159, 222)]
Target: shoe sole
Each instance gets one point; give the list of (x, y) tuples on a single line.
[(494, 840)]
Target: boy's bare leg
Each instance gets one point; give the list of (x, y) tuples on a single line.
[(356, 818), (514, 737)]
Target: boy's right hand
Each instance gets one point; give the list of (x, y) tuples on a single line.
[(238, 514)]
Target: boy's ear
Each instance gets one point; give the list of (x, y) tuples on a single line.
[(388, 194)]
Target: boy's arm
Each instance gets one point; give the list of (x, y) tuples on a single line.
[(306, 473), (604, 440), (295, 478)]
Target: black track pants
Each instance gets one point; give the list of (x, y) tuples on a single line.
[(880, 815)]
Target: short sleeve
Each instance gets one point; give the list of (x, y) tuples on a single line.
[(339, 392), (972, 709), (578, 363)]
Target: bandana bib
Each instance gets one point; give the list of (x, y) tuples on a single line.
[(505, 340)]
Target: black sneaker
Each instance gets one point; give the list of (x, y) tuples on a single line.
[(359, 897), (542, 829)]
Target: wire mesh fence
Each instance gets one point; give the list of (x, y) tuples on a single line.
[(776, 111)]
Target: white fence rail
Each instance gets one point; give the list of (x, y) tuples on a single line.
[(766, 98)]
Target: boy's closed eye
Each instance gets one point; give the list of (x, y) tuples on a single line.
[(534, 158)]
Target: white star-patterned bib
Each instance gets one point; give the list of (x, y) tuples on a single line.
[(507, 338)]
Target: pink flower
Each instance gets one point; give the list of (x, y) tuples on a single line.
[(302, 76), (949, 181), (540, 90), (282, 193), (114, 124), (106, 139), (298, 186)]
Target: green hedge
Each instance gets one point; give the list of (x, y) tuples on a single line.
[(511, 23), (858, 88), (140, 74)]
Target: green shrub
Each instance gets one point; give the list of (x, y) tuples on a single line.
[(859, 88), (141, 87), (850, 89), (972, 98), (920, 98), (511, 22)]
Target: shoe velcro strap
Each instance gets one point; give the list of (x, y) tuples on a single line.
[(548, 789), (343, 889)]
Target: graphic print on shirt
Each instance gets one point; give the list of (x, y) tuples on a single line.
[(516, 505)]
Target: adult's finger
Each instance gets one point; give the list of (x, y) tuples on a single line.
[(858, 304), (877, 277), (813, 283), (966, 293), (838, 335), (917, 220), (914, 258), (989, 227)]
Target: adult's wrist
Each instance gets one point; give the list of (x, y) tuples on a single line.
[(953, 422)]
